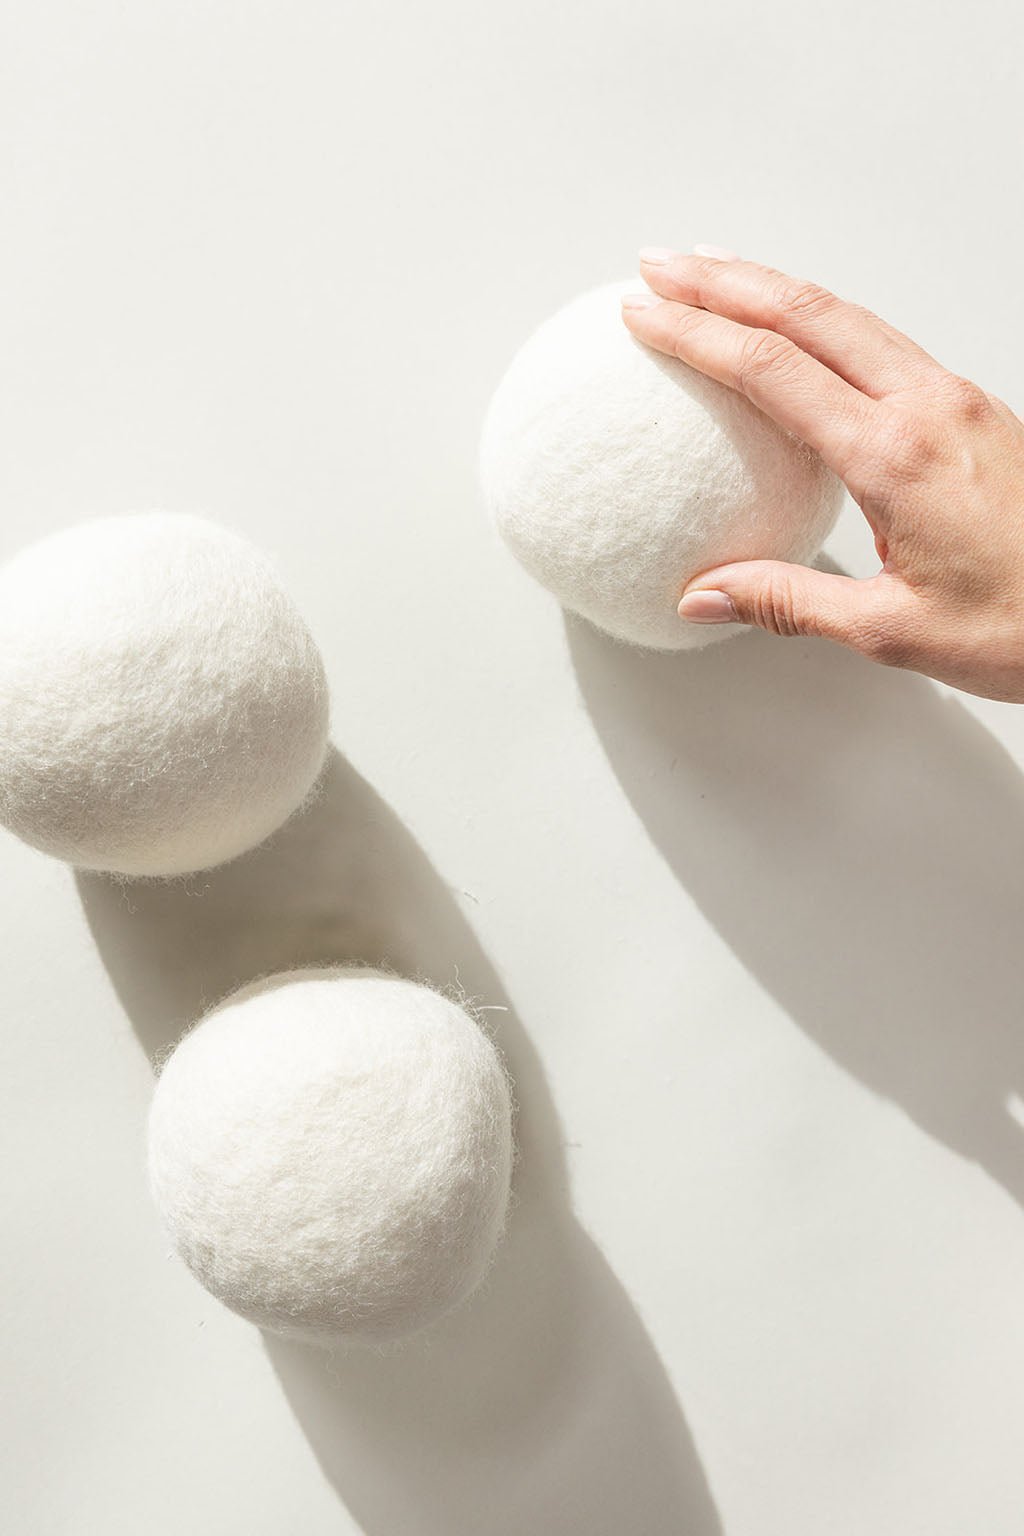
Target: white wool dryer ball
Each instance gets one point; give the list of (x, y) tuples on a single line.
[(163, 707), (616, 474), (331, 1153)]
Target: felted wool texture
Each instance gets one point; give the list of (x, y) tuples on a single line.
[(615, 474), (163, 706), (331, 1153)]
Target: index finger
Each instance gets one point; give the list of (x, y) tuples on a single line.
[(860, 347), (792, 388)]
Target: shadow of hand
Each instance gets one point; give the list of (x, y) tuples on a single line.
[(858, 840)]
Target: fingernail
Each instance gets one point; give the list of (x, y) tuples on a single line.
[(656, 255), (716, 252), (639, 300), (707, 608)]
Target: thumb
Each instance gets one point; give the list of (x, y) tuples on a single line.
[(796, 600)]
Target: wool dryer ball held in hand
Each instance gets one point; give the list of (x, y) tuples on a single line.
[(331, 1153), (163, 707), (616, 474)]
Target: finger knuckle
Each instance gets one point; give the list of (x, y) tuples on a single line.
[(904, 447), (774, 609), (761, 354), (884, 642), (683, 326), (801, 301), (966, 401)]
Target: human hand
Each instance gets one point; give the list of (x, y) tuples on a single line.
[(935, 464)]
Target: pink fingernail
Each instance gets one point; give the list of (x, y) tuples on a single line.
[(707, 608), (716, 252), (656, 255), (639, 300)]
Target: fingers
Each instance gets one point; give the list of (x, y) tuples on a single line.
[(861, 348), (875, 617), (793, 388)]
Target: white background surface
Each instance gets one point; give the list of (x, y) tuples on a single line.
[(758, 915)]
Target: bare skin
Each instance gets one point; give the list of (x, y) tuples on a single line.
[(934, 462)]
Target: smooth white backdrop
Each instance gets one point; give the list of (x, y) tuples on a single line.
[(757, 917)]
